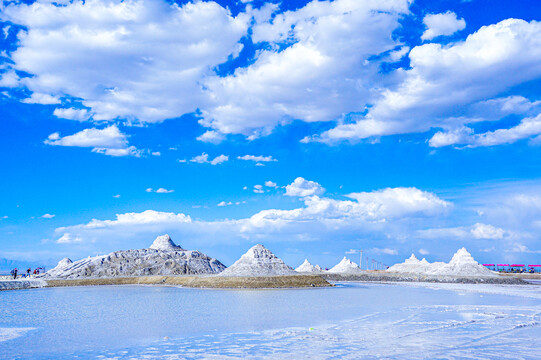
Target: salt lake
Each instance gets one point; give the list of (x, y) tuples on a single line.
[(349, 321)]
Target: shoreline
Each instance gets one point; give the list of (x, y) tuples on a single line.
[(267, 282)]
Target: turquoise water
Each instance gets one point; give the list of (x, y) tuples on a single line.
[(348, 321)]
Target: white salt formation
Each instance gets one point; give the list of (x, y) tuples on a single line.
[(164, 243), (64, 262), (346, 266), (258, 261), (462, 264), (162, 258), (412, 266), (306, 267)]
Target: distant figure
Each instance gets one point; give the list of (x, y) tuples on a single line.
[(28, 271), (35, 271), (14, 273)]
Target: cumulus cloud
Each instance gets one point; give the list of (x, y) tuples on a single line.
[(258, 189), (317, 218), (271, 184), (454, 85), (204, 159), (140, 60), (43, 99), (109, 141), (212, 137), (72, 114), (442, 24), (302, 187), (256, 158), (321, 72), (487, 231), (48, 216), (69, 239)]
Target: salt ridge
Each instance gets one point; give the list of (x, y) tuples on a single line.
[(306, 267)]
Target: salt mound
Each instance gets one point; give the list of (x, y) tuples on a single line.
[(162, 258), (164, 243), (462, 264), (306, 267), (345, 266), (258, 261), (411, 266), (64, 262)]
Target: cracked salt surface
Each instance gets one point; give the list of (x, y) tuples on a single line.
[(351, 321)]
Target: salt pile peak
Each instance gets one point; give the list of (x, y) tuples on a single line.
[(164, 243), (258, 261), (345, 266), (162, 258), (462, 264), (306, 267), (411, 265), (64, 262)]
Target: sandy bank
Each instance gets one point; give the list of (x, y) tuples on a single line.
[(397, 277), (256, 282)]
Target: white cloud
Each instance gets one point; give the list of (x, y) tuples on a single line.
[(223, 203), (454, 85), (423, 252), (204, 159), (212, 137), (48, 216), (219, 159), (109, 141), (301, 188), (9, 79), (271, 184), (258, 189), (321, 71), (201, 159), (72, 114), (256, 158), (69, 239), (442, 24), (156, 153), (487, 231), (318, 218), (391, 202), (160, 191), (117, 196), (137, 59), (40, 98), (385, 251)]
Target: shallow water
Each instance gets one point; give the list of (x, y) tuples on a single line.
[(349, 321)]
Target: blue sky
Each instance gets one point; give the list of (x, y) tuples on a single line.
[(314, 128)]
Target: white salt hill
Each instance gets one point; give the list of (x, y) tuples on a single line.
[(306, 267), (163, 257), (412, 265), (258, 261), (462, 264), (345, 266)]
